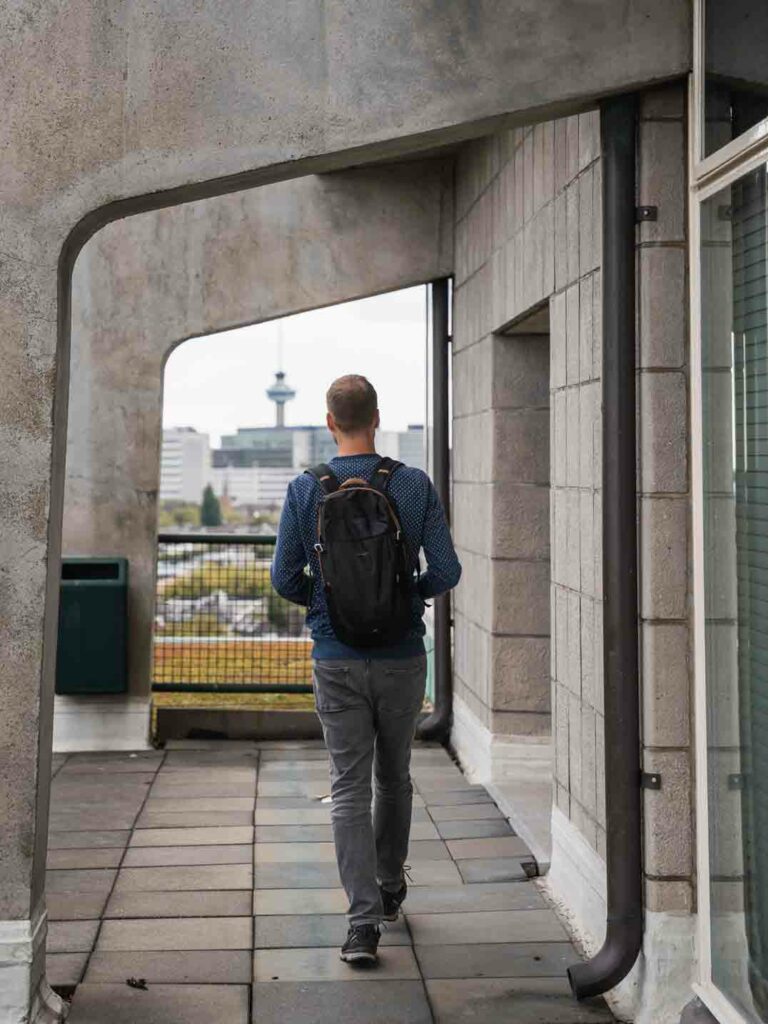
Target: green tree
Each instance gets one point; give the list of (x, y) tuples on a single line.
[(210, 510)]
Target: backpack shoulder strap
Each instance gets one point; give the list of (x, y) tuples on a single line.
[(325, 477), (383, 473)]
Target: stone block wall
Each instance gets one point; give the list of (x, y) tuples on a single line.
[(664, 501), (527, 448), (528, 252)]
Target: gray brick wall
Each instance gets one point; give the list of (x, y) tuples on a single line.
[(528, 233), (527, 445)]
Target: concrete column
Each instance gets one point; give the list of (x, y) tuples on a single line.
[(31, 471), (142, 285)]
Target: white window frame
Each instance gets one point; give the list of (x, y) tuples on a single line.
[(707, 175)]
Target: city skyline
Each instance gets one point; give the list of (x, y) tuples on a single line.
[(219, 383)]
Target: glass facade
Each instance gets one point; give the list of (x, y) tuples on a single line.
[(736, 69), (734, 361)]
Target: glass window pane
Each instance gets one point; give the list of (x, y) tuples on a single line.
[(736, 69), (734, 268)]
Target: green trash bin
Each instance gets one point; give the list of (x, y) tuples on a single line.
[(91, 655)]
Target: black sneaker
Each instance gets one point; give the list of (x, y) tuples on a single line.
[(392, 901), (362, 944)]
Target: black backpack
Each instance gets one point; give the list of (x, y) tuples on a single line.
[(366, 567)]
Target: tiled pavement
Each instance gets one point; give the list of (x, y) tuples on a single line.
[(205, 874)]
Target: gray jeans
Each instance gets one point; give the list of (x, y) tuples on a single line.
[(368, 710)]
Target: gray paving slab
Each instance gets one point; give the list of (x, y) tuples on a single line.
[(314, 930), (196, 776), (161, 856), (169, 934), (309, 788), (279, 770), (224, 756), (143, 758), (291, 744), (286, 755), (464, 812), (312, 874), (180, 967), (211, 744), (65, 969), (421, 830), (344, 1002), (202, 789), (170, 879), (474, 829), (500, 846), (300, 901), (92, 840), (323, 964), (285, 853), (214, 836), (116, 786), (427, 849), (291, 853), (71, 936), (494, 869), (435, 779), (319, 814), (296, 876), (150, 818), (501, 1000), (434, 783), (207, 903), (286, 802), (301, 803), (452, 797), (482, 896), (98, 880), (202, 803), (179, 777), (485, 926), (323, 833), (291, 815), (78, 858), (162, 1004), (320, 833), (434, 872), (496, 960), (97, 769), (88, 818), (75, 906)]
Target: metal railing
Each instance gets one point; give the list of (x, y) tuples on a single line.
[(219, 624)]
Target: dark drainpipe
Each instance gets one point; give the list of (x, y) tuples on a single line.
[(437, 726), (624, 931)]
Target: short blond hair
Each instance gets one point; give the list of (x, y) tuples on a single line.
[(352, 401)]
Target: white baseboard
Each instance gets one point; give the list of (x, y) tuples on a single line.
[(516, 770), (109, 722), (660, 984), (22, 999)]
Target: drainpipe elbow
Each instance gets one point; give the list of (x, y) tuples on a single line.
[(612, 963)]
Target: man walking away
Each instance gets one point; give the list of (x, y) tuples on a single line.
[(359, 524)]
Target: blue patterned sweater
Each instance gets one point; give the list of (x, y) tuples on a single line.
[(424, 524)]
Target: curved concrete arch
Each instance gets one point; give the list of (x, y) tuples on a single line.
[(144, 284)]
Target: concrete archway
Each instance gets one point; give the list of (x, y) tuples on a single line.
[(143, 283)]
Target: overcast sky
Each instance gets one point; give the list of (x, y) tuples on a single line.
[(218, 383)]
